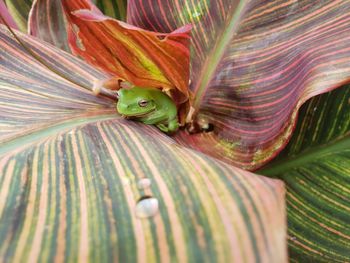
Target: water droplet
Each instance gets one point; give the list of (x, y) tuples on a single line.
[(144, 183), (125, 180), (146, 207)]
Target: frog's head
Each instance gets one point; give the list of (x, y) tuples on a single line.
[(135, 102)]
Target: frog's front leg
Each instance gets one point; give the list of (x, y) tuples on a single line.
[(170, 127)]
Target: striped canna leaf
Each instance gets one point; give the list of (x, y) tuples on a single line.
[(72, 178), (19, 10), (47, 22), (253, 64), (316, 169), (5, 15), (47, 19)]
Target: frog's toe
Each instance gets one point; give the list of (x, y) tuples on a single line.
[(163, 127), (173, 126)]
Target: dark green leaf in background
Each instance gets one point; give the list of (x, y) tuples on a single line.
[(113, 8), (316, 169)]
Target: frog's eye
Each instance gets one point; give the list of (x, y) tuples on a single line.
[(143, 103)]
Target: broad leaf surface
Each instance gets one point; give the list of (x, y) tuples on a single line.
[(316, 169), (70, 169), (254, 63)]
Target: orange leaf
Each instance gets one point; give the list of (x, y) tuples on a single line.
[(142, 57)]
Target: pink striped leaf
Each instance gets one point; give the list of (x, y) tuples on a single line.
[(253, 64), (79, 183), (46, 21), (5, 15), (19, 10)]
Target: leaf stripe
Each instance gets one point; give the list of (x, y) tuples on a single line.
[(50, 18), (28, 88), (5, 15)]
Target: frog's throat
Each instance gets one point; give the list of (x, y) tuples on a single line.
[(139, 115)]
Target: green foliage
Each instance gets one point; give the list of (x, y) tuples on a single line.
[(316, 169)]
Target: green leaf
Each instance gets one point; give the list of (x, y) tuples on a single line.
[(316, 169), (254, 63), (113, 8), (70, 171)]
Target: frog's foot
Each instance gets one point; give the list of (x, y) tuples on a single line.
[(163, 127), (172, 126)]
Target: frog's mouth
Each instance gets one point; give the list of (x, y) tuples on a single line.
[(139, 115)]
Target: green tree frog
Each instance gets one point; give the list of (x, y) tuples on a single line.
[(150, 106)]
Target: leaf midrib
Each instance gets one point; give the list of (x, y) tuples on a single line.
[(340, 145), (36, 136), (214, 58)]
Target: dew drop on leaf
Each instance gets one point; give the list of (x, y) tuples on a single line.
[(147, 207), (144, 183)]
